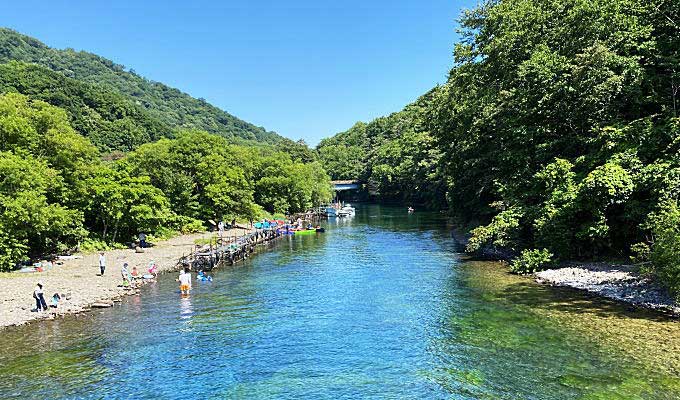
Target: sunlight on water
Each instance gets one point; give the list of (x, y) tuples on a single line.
[(377, 307)]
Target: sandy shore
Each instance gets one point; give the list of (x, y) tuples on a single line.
[(618, 282), (79, 280)]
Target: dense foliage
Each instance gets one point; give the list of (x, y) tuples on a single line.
[(176, 109), (557, 129), (56, 191), (107, 118), (395, 155)]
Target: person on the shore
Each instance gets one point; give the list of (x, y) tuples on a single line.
[(39, 296), (220, 228), (102, 263), (142, 240), (153, 269), (184, 281), (233, 223), (126, 274), (55, 300)]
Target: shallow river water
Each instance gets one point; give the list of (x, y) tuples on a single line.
[(379, 306)]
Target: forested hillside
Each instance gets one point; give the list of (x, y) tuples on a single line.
[(557, 132), (106, 117), (395, 154), (56, 192), (175, 108), (92, 154)]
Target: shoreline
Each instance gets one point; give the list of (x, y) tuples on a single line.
[(79, 284), (618, 282)]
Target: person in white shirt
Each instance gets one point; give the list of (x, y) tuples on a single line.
[(39, 296), (102, 263), (125, 274), (184, 281)]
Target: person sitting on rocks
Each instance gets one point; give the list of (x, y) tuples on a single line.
[(153, 269)]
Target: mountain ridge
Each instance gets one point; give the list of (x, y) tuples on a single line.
[(170, 105)]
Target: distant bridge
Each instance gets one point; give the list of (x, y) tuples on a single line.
[(346, 185)]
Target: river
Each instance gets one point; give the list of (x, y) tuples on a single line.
[(379, 306)]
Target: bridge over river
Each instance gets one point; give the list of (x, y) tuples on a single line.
[(343, 185)]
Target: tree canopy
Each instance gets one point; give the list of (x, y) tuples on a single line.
[(174, 108), (56, 191), (557, 130)]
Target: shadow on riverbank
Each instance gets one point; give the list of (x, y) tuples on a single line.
[(577, 301)]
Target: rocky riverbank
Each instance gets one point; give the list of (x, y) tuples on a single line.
[(78, 281), (618, 282)]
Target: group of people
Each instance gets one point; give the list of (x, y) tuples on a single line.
[(129, 276), (39, 296), (221, 226)]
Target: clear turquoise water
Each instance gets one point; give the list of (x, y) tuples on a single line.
[(381, 306)]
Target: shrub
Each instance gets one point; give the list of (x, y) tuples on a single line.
[(91, 245), (501, 232), (192, 226), (532, 261), (665, 254)]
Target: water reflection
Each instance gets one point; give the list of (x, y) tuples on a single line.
[(185, 309)]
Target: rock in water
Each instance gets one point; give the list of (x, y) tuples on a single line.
[(103, 304)]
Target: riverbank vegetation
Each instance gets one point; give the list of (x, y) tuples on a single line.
[(93, 154), (556, 133), (56, 191)]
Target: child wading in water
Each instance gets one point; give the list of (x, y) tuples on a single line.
[(184, 281)]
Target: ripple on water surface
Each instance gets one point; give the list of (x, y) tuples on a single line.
[(380, 306)]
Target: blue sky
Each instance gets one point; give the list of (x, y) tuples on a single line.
[(306, 69)]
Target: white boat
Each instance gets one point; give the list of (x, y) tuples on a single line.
[(338, 210), (346, 211)]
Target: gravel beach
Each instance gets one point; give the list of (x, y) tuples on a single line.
[(79, 283), (618, 282)]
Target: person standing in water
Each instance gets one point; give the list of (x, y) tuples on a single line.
[(102, 263), (184, 281)]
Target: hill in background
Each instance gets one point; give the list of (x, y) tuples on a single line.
[(160, 108)]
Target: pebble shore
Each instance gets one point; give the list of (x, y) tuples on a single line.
[(79, 283), (618, 282)]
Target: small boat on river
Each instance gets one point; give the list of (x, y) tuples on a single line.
[(309, 231), (339, 210), (347, 211)]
